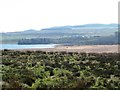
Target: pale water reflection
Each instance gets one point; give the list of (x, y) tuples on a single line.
[(16, 46)]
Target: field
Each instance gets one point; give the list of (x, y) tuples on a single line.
[(37, 69)]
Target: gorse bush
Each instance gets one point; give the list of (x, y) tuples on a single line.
[(37, 69)]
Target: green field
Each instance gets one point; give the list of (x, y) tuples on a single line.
[(38, 69)]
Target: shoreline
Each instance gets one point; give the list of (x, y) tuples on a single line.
[(78, 48)]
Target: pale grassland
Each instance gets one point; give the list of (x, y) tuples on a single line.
[(82, 48)]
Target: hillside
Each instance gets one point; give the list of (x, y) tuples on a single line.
[(87, 30)]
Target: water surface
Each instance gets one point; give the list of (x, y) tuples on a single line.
[(16, 46)]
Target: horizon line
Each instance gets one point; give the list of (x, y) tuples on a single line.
[(61, 26)]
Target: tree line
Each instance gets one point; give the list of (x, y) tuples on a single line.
[(76, 40)]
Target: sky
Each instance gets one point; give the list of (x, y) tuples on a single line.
[(20, 15)]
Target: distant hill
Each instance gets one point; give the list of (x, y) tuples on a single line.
[(57, 32), (88, 26), (83, 26), (96, 29)]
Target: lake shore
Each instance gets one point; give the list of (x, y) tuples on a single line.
[(79, 49)]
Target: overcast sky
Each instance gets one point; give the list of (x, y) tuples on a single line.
[(19, 15)]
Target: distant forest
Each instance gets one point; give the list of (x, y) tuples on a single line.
[(88, 34), (79, 40)]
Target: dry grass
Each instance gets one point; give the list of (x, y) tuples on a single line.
[(82, 48)]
